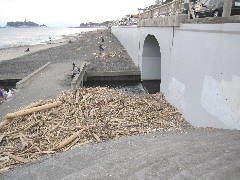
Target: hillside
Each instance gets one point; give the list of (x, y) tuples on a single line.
[(22, 24)]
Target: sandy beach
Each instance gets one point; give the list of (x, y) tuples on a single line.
[(16, 52), (19, 51), (16, 63)]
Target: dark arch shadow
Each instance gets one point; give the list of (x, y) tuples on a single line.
[(151, 62)]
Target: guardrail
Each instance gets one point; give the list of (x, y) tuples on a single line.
[(172, 8)]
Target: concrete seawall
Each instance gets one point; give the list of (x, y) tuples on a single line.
[(198, 65)]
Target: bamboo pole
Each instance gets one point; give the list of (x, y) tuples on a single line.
[(17, 158), (97, 138), (69, 140), (32, 110), (4, 122)]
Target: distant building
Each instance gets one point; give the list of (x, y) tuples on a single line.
[(162, 1), (130, 19)]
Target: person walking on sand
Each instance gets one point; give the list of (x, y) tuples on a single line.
[(101, 49), (1, 96), (73, 66)]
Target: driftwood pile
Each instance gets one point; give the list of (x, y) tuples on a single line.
[(79, 117), (117, 54)]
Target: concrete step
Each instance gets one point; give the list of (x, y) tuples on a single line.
[(197, 154)]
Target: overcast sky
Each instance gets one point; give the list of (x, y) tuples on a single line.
[(68, 12)]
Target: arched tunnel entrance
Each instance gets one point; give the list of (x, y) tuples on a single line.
[(151, 63)]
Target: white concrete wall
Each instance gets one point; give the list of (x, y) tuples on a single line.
[(200, 69), (130, 39), (205, 71)]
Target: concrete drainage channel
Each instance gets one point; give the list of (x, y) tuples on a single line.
[(127, 81), (114, 76), (85, 78), (20, 83), (9, 83), (93, 79)]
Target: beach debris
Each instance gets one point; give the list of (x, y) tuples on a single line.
[(32, 110), (78, 117), (27, 50), (111, 54)]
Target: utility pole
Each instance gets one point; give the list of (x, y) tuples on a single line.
[(227, 8)]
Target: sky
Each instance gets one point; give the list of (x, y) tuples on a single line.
[(68, 12)]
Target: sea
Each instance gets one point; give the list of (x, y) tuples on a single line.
[(12, 37)]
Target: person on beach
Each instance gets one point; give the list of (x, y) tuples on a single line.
[(1, 96), (7, 94), (101, 49), (75, 70), (73, 66)]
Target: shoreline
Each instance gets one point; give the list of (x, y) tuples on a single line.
[(10, 53)]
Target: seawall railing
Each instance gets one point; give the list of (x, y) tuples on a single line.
[(172, 8)]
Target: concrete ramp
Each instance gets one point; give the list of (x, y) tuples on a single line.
[(44, 84)]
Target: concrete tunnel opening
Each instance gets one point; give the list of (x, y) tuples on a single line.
[(151, 63)]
